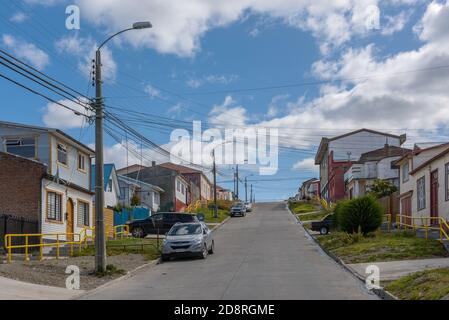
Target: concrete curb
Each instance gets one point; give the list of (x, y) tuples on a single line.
[(221, 224), (128, 275), (381, 292)]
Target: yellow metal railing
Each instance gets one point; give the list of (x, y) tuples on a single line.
[(388, 220), (57, 240), (424, 223)]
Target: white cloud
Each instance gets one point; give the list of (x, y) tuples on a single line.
[(84, 49), (152, 91), (18, 17), (212, 79), (56, 116), (395, 23), (180, 25), (26, 51), (307, 164), (228, 114)]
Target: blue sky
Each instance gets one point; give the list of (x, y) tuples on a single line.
[(200, 52)]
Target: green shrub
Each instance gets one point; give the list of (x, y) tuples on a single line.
[(360, 215)]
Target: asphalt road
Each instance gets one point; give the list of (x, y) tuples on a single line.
[(265, 255)]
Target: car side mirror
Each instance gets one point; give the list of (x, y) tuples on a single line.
[(204, 231)]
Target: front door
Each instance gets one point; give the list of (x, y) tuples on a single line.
[(406, 210), (69, 220), (434, 195)]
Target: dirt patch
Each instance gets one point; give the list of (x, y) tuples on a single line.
[(52, 272)]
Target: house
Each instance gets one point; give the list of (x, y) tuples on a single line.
[(224, 194), (371, 166), (424, 182), (149, 195), (49, 166), (110, 185), (309, 189), (335, 156), (176, 195), (130, 169), (195, 177)]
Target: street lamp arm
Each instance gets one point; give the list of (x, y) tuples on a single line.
[(114, 35)]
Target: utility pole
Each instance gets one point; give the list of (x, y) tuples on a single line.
[(251, 194), (237, 181), (100, 234), (215, 186), (246, 189)]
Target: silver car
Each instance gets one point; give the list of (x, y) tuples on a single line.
[(188, 240)]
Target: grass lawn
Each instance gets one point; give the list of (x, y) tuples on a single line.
[(209, 215), (381, 246), (425, 285), (147, 247), (313, 216), (302, 207)]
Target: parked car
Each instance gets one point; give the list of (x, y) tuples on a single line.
[(324, 225), (158, 223), (248, 206), (238, 209), (188, 240)]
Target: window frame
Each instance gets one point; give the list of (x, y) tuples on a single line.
[(35, 138), (86, 206), (418, 181), (403, 179), (56, 218), (66, 153), (84, 157)]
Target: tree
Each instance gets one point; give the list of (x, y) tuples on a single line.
[(382, 188), (135, 200)]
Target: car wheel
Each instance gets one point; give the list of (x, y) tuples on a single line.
[(324, 230), (137, 232), (205, 252), (165, 257), (211, 251)]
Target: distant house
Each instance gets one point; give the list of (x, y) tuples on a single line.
[(224, 194), (371, 166), (309, 189), (197, 177), (131, 169), (149, 195), (111, 185), (45, 176), (176, 195), (335, 156), (424, 182)]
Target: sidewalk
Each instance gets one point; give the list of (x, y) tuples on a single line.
[(395, 269), (18, 290)]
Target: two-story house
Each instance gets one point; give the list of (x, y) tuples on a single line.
[(371, 166), (55, 161), (149, 195), (309, 189), (424, 183), (335, 156)]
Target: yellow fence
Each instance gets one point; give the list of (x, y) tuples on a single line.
[(421, 223), (75, 241)]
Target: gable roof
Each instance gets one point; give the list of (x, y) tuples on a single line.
[(325, 141), (135, 182), (54, 131), (386, 152), (107, 172), (183, 169), (426, 163), (417, 150)]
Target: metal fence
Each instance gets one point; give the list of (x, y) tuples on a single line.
[(10, 224)]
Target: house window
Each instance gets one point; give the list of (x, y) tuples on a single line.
[(109, 186), (24, 147), (178, 186), (62, 154), (405, 172), (421, 187), (81, 162), (54, 206), (447, 181), (83, 214)]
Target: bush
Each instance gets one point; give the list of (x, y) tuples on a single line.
[(359, 215)]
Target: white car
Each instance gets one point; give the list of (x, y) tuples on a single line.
[(188, 239), (248, 206)]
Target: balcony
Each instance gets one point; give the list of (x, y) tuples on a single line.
[(360, 171)]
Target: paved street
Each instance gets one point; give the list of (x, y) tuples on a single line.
[(263, 256)]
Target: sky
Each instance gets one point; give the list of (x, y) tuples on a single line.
[(309, 69)]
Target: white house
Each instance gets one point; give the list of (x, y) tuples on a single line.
[(371, 166), (424, 185), (149, 195), (65, 195), (111, 185)]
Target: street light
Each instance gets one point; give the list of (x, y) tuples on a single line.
[(100, 236)]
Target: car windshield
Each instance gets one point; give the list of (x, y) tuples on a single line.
[(185, 229)]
